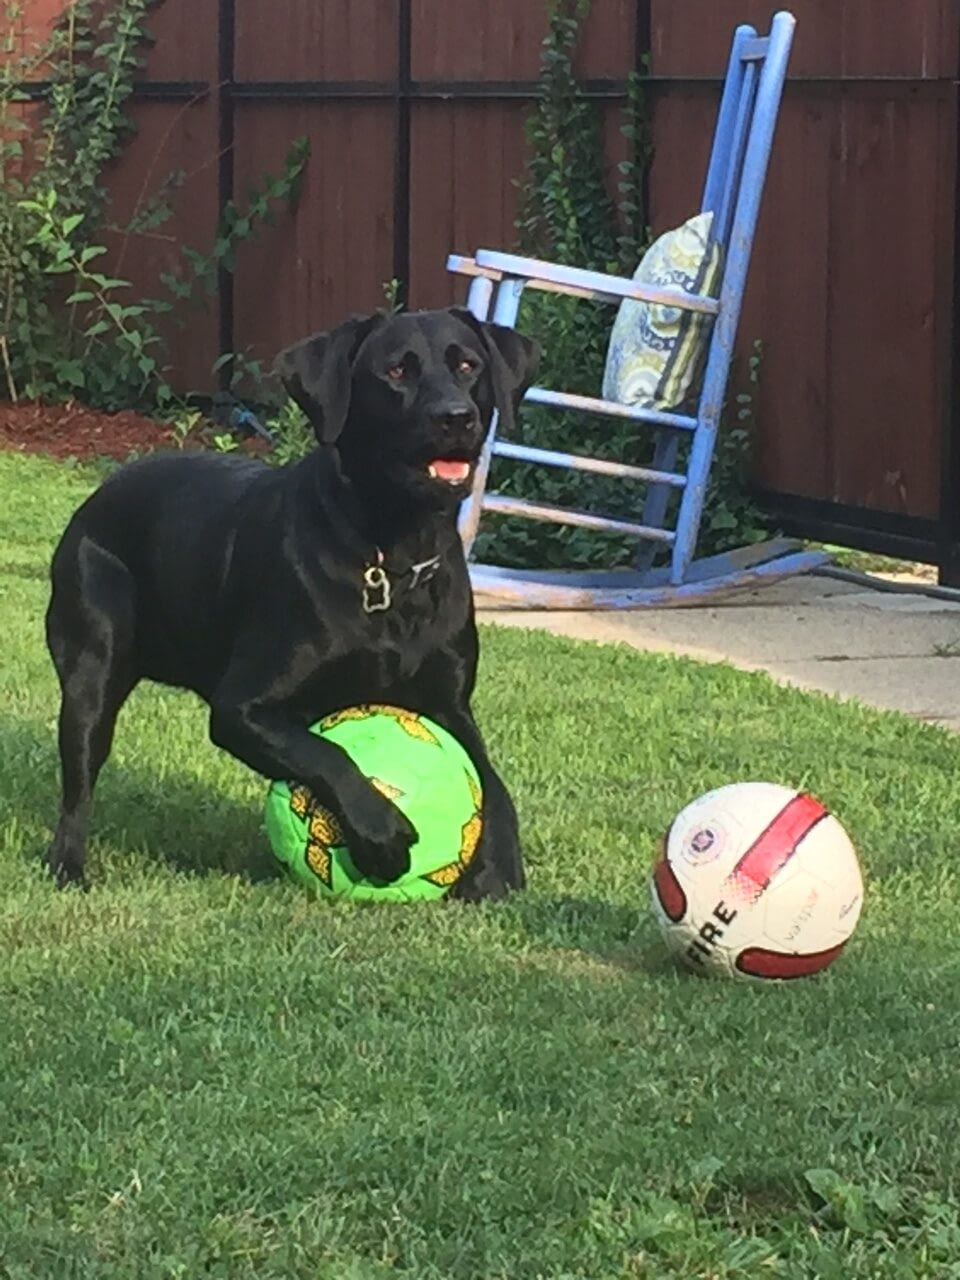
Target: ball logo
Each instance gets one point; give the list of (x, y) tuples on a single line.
[(704, 844), (849, 906)]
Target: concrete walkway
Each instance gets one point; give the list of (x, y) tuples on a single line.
[(894, 650)]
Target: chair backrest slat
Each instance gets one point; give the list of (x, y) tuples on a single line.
[(726, 120), (744, 211), (723, 220)]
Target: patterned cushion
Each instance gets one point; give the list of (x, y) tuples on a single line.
[(655, 351)]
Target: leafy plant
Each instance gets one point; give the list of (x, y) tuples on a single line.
[(94, 317), (200, 273), (392, 290), (186, 425), (731, 518), (292, 434), (68, 327), (51, 196), (568, 215)]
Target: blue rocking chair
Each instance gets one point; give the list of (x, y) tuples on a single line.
[(737, 170)]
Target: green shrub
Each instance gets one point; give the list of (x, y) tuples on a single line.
[(68, 328)]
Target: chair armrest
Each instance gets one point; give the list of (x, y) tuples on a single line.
[(458, 265), (553, 277)]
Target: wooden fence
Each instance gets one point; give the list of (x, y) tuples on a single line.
[(415, 109)]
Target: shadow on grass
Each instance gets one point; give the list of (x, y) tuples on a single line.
[(176, 821), (197, 830), (620, 936)]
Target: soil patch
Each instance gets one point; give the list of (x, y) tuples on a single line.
[(75, 431)]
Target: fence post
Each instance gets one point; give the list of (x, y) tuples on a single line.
[(401, 169), (226, 58)]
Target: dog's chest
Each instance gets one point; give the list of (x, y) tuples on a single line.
[(376, 656), (396, 646)]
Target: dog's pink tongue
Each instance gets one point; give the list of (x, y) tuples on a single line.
[(451, 469)]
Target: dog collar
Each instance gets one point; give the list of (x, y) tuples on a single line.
[(378, 589)]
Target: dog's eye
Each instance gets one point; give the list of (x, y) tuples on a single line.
[(396, 372), (467, 366)]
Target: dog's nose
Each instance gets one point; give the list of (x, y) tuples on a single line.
[(455, 417)]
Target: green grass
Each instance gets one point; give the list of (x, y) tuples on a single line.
[(205, 1074), (866, 561)]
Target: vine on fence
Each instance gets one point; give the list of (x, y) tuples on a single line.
[(68, 327)]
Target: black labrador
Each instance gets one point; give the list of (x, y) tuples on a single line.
[(280, 594)]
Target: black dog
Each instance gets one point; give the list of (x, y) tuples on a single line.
[(282, 594)]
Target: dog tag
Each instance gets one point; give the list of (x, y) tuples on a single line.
[(376, 590)]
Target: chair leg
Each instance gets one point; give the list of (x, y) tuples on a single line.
[(692, 501), (480, 297), (665, 449), (506, 304)]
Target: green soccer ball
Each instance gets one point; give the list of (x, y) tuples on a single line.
[(417, 764)]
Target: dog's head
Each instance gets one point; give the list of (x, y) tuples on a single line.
[(407, 399)]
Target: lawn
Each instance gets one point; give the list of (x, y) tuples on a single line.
[(203, 1073)]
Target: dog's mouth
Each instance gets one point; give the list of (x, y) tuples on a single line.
[(450, 471)]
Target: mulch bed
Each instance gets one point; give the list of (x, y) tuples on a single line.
[(75, 431)]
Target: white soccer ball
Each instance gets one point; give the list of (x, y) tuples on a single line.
[(757, 881)]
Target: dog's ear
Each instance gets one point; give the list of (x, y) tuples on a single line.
[(317, 374), (513, 363)]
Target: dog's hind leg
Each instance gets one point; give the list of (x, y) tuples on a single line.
[(91, 629)]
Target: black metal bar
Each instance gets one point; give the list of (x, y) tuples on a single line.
[(401, 171), (476, 90), (914, 81), (226, 49), (321, 90), (416, 90), (642, 62), (879, 532), (460, 89), (643, 36), (171, 91), (948, 558), (143, 91)]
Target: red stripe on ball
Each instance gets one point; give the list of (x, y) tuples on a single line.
[(757, 962), (669, 890)]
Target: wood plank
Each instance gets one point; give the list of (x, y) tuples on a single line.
[(905, 43), (886, 248), (461, 40), (608, 42), (504, 505), (304, 40), (328, 257), (501, 39), (464, 159), (683, 125), (184, 37), (185, 41), (30, 29), (169, 137), (786, 306), (834, 37)]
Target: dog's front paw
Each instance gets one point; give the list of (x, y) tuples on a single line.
[(379, 837), (66, 866)]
